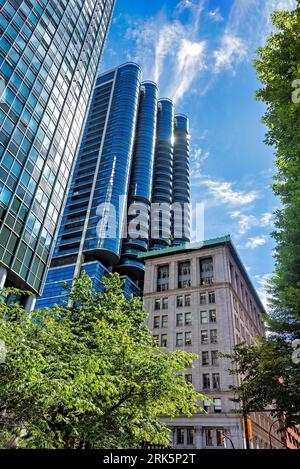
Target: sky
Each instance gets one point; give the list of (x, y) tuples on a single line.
[(200, 52)]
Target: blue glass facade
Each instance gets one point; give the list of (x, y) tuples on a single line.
[(49, 57), (125, 163), (163, 175), (181, 182), (140, 189), (94, 215), (114, 170)]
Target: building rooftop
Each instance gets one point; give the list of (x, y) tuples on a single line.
[(186, 247), (224, 240)]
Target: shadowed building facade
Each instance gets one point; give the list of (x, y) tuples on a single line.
[(50, 53)]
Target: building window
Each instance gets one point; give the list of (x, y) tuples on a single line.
[(163, 278), (164, 322), (211, 297), (209, 437), (156, 322), (189, 378), (205, 359), (213, 336), (206, 271), (204, 337), (165, 303), (202, 298), (156, 339), (179, 301), (188, 319), (214, 358), (217, 406), (220, 434), (179, 319), (184, 275), (206, 381), (190, 436), (157, 305), (206, 406), (179, 339), (180, 436), (164, 340), (216, 381), (203, 317), (187, 300), (188, 338), (236, 283), (212, 315)]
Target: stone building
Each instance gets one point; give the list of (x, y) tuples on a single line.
[(200, 299)]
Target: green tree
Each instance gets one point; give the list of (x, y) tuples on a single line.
[(278, 68), (88, 375), (270, 381), (270, 376)]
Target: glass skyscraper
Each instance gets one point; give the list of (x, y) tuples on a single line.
[(49, 57), (124, 165), (163, 175), (140, 189), (181, 181)]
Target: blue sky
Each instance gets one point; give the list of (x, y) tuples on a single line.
[(200, 52)]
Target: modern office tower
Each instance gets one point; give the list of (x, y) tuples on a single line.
[(140, 188), (181, 182), (162, 189), (201, 300), (50, 53), (105, 225)]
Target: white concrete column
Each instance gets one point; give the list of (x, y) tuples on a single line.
[(150, 278), (30, 303), (172, 275), (199, 438), (194, 272), (3, 275)]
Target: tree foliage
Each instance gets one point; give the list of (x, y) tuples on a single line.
[(270, 381), (270, 376), (89, 375), (278, 68)]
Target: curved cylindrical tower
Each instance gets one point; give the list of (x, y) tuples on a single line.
[(139, 197), (163, 176), (181, 181), (108, 212)]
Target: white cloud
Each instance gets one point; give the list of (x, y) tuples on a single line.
[(190, 60), (266, 219), (247, 222), (183, 5), (224, 193), (169, 51), (253, 20), (261, 282), (215, 15), (232, 51), (198, 157), (255, 242)]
